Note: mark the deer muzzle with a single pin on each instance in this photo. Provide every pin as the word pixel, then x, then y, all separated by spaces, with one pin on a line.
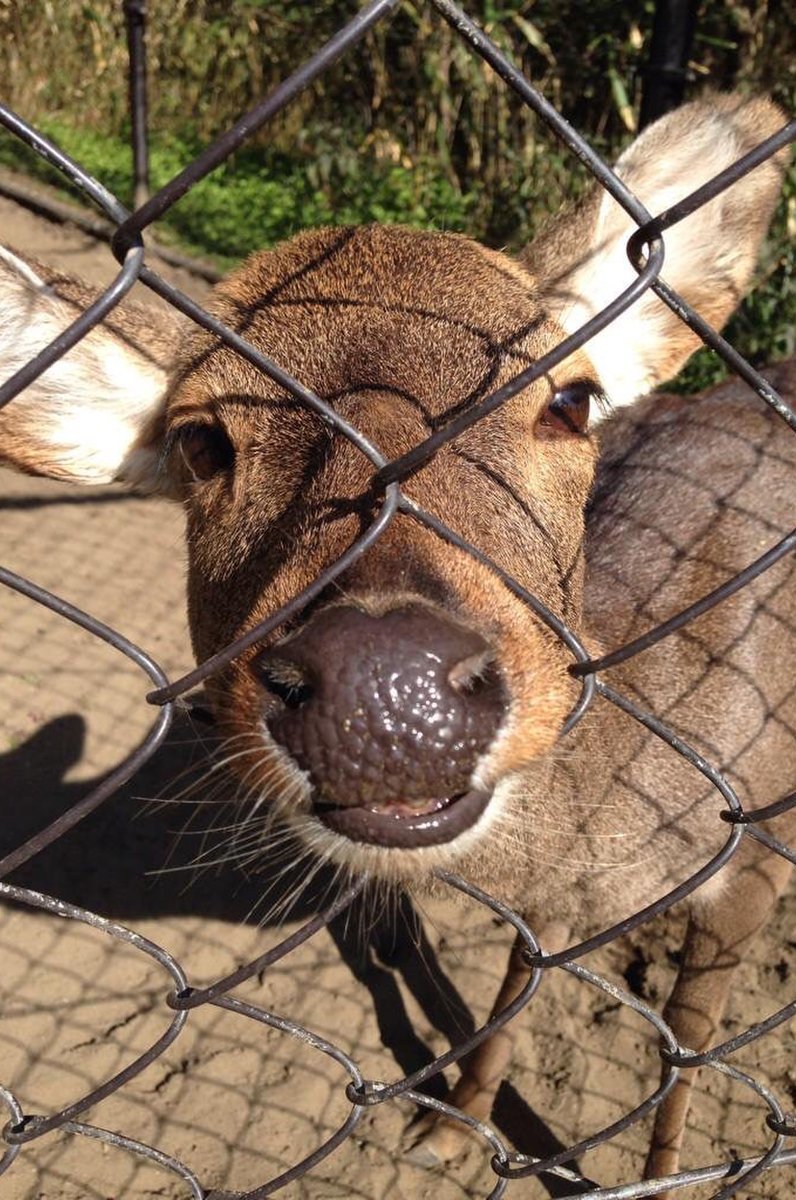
pixel 388 717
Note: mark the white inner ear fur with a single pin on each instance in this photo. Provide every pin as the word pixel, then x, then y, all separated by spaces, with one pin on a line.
pixel 666 163
pixel 83 418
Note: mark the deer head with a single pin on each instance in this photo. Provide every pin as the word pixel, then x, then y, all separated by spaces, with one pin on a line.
pixel 398 717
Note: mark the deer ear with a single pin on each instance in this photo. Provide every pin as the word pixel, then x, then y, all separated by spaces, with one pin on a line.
pixel 95 415
pixel 709 257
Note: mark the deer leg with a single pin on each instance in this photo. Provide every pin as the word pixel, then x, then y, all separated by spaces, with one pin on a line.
pixel 437 1139
pixel 716 939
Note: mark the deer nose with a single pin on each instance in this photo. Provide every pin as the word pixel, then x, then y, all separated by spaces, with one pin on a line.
pixel 391 710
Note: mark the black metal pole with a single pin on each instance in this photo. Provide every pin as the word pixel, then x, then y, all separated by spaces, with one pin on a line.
pixel 666 74
pixel 135 15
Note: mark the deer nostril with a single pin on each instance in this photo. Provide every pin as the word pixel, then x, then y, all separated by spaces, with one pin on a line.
pixel 474 675
pixel 287 682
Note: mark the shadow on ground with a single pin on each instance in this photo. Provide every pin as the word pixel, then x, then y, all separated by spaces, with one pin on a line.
pixel 113 863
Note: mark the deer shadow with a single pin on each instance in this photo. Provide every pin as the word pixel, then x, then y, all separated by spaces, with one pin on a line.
pixel 131 860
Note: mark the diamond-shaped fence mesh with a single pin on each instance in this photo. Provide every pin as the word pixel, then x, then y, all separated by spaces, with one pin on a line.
pixel 133 1004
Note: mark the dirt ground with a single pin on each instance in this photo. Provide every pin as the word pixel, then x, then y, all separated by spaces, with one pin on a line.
pixel 236 1101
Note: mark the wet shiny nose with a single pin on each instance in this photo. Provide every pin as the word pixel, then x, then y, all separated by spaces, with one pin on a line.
pixel 396 707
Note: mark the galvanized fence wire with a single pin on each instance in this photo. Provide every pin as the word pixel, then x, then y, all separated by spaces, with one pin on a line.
pixel 181 997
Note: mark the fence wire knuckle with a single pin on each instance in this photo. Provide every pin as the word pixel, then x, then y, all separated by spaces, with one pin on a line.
pixel 646 250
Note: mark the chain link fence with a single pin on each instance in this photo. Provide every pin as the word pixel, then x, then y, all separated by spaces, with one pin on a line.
pixel 181 1000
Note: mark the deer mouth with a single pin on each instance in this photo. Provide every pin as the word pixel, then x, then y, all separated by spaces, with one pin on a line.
pixel 405 824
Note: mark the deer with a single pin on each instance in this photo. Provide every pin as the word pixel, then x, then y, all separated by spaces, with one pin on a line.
pixel 409 719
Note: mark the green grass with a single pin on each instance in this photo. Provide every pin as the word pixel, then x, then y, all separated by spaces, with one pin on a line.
pixel 254 199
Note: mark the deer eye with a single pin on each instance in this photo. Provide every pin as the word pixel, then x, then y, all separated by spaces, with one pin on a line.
pixel 568 411
pixel 205 450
